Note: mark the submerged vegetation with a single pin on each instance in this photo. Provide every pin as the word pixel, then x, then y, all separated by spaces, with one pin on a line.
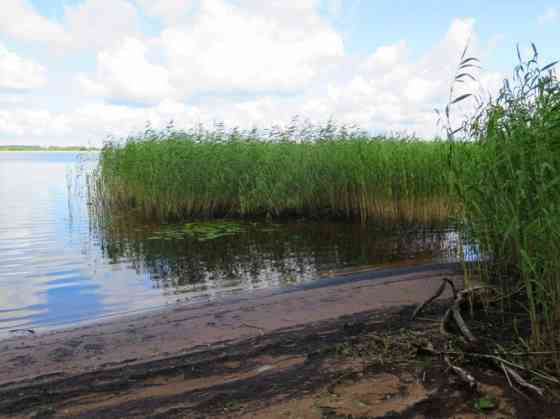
pixel 200 231
pixel 502 180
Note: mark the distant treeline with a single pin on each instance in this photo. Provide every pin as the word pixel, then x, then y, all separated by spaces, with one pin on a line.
pixel 47 148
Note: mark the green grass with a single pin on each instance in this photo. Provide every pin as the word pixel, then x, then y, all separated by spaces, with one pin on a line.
pixel 179 175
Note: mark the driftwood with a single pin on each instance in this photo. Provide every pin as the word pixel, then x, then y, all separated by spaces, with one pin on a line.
pixel 428 301
pixel 455 310
pixel 446 281
pixel 508 367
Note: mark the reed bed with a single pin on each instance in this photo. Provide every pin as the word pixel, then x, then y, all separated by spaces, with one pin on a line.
pixel 174 175
pixel 510 191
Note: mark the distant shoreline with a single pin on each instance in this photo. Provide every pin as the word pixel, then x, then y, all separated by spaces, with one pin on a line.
pixel 47 149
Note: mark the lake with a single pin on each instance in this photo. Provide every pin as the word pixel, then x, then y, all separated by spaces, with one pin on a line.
pixel 61 264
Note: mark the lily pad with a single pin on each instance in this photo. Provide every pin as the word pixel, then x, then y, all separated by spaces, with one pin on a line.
pixel 212 230
pixel 209 230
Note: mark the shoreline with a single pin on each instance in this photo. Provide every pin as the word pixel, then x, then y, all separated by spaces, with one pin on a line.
pixel 380 274
pixel 110 348
pixel 171 330
pixel 342 347
pixel 50 151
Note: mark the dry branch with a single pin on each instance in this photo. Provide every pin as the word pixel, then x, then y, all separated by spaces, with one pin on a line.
pixel 521 381
pixel 428 301
pixel 507 366
pixel 463 374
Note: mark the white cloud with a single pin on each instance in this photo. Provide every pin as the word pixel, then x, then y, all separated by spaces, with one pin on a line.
pixel 170 11
pixel 124 73
pixel 17 73
pixel 391 92
pixel 386 58
pixel 267 49
pixel 91 25
pixel 253 47
pixel 32 123
pixel 11 99
pixel 20 21
pixel 96 24
pixel 551 15
pixel 272 46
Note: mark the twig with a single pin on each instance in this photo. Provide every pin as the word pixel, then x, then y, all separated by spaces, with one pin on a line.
pixel 428 319
pixel 506 373
pixel 461 323
pixel 530 353
pixel 500 361
pixel 452 285
pixel 463 374
pixel 455 310
pixel 428 301
pixel 522 381
pixel 539 374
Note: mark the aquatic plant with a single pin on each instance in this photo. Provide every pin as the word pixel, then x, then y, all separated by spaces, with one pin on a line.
pixel 510 191
pixel 201 231
pixel 320 171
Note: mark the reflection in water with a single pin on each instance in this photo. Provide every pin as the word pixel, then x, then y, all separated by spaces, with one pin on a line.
pixel 61 266
pixel 265 255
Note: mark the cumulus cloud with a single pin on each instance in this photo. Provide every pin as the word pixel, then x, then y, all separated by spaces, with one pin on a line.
pixel 91 24
pixel 32 123
pixel 386 58
pixel 391 92
pixel 251 47
pixel 96 24
pixel 21 21
pixel 17 73
pixel 125 74
pixel 252 63
pixel 551 15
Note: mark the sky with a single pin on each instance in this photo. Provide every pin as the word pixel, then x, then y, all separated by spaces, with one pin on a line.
pixel 77 72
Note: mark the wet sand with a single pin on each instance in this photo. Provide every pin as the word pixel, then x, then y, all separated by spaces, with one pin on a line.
pixel 184 328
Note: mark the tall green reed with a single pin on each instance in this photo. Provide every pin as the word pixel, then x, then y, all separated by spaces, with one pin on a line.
pixel 312 171
pixel 510 191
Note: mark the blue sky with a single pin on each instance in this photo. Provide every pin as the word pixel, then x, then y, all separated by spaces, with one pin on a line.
pixel 76 71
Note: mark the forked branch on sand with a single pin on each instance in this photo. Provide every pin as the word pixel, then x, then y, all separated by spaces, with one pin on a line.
pixel 454 311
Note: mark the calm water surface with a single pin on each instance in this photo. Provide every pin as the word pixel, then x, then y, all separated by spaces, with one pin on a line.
pixel 60 265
